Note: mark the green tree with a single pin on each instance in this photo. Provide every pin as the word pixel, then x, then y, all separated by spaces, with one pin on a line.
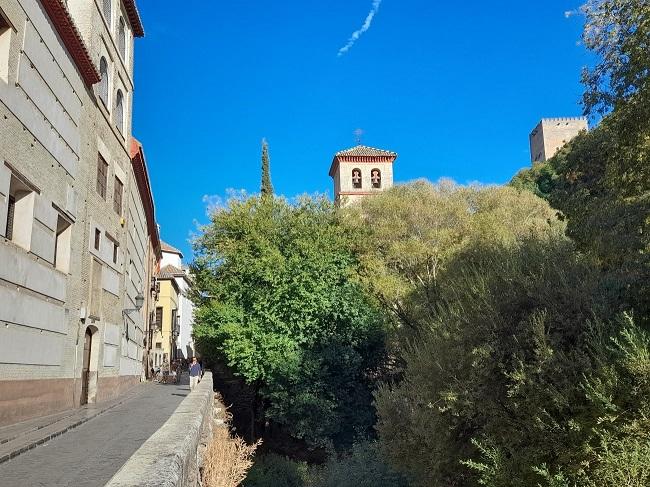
pixel 540 179
pixel 267 186
pixel 603 189
pixel 415 230
pixel 517 368
pixel 496 382
pixel 286 314
pixel 618 32
pixel 601 180
pixel 362 466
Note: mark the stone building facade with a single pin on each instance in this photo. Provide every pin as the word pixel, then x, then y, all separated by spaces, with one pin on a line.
pixel 172 264
pixel 360 172
pixel 551 134
pixel 166 319
pixel 77 244
pixel 144 252
pixel 174 310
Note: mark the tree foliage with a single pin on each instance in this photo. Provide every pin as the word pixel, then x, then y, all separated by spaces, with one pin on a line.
pixel 286 314
pixel 266 188
pixel 601 180
pixel 495 384
pixel 514 363
pixel 618 32
pixel 362 466
pixel 416 229
pixel 603 188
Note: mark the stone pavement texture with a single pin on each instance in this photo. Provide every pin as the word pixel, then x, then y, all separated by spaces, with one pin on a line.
pixel 93 452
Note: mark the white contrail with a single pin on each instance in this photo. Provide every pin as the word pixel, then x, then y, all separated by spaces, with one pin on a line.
pixel 366 25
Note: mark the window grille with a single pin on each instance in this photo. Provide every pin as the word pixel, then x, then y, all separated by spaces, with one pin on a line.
pixel 107 11
pixel 119 111
pixel 118 189
pixel 10 217
pixel 121 39
pixel 103 83
pixel 102 176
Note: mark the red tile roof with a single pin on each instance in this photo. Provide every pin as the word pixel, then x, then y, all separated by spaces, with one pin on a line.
pixel 67 30
pixel 363 150
pixel 362 154
pixel 134 18
pixel 169 249
pixel 169 272
pixel 144 187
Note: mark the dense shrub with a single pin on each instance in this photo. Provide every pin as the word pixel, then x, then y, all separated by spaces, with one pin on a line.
pixel 271 470
pixel 362 467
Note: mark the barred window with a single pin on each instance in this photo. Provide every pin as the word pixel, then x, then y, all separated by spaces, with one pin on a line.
pixel 98 238
pixel 106 8
pixel 102 176
pixel 118 189
pixel 121 38
pixel 159 318
pixel 119 111
pixel 11 211
pixel 103 82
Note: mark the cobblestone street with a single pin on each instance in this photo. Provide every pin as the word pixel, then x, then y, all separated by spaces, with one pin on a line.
pixel 92 453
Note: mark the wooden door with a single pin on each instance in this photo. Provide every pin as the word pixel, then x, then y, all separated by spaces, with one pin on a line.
pixel 85 371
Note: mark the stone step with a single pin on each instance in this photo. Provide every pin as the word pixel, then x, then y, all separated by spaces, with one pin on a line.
pixel 11 432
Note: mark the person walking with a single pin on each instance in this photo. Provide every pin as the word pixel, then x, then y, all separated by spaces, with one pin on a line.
pixel 195 373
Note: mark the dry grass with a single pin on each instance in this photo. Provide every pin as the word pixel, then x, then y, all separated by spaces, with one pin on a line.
pixel 226 460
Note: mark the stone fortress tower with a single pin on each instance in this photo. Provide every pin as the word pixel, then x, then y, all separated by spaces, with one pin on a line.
pixel 551 134
pixel 361 171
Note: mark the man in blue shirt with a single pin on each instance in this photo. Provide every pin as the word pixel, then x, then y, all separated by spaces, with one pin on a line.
pixel 195 373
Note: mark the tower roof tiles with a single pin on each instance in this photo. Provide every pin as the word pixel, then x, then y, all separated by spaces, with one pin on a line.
pixel 363 150
pixel 169 249
pixel 169 272
pixel 361 153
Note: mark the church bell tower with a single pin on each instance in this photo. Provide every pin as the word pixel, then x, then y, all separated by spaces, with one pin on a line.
pixel 360 172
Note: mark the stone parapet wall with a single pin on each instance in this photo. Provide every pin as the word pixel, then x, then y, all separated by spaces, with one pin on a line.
pixel 170 456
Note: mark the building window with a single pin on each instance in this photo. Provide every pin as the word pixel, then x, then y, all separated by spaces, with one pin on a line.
pixel 116 252
pixel 98 238
pixel 119 111
pixel 96 289
pixel 106 10
pixel 159 345
pixel 375 178
pixel 5 44
pixel 20 213
pixel 62 244
pixel 356 178
pixel 103 82
pixel 121 38
pixel 159 318
pixel 102 176
pixel 118 188
pixel 11 211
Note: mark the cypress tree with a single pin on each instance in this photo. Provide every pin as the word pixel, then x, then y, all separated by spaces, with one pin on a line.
pixel 267 186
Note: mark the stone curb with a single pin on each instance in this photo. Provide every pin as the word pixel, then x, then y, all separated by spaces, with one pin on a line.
pixel 38 436
pixel 169 457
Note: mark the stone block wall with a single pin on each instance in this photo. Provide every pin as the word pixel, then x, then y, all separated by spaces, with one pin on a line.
pixel 170 456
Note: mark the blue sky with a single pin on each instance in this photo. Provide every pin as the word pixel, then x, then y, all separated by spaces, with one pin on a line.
pixel 453 87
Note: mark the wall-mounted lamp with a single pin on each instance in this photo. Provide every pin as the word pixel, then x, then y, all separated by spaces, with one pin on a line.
pixel 139 302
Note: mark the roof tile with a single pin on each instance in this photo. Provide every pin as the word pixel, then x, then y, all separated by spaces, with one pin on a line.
pixel 362 150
